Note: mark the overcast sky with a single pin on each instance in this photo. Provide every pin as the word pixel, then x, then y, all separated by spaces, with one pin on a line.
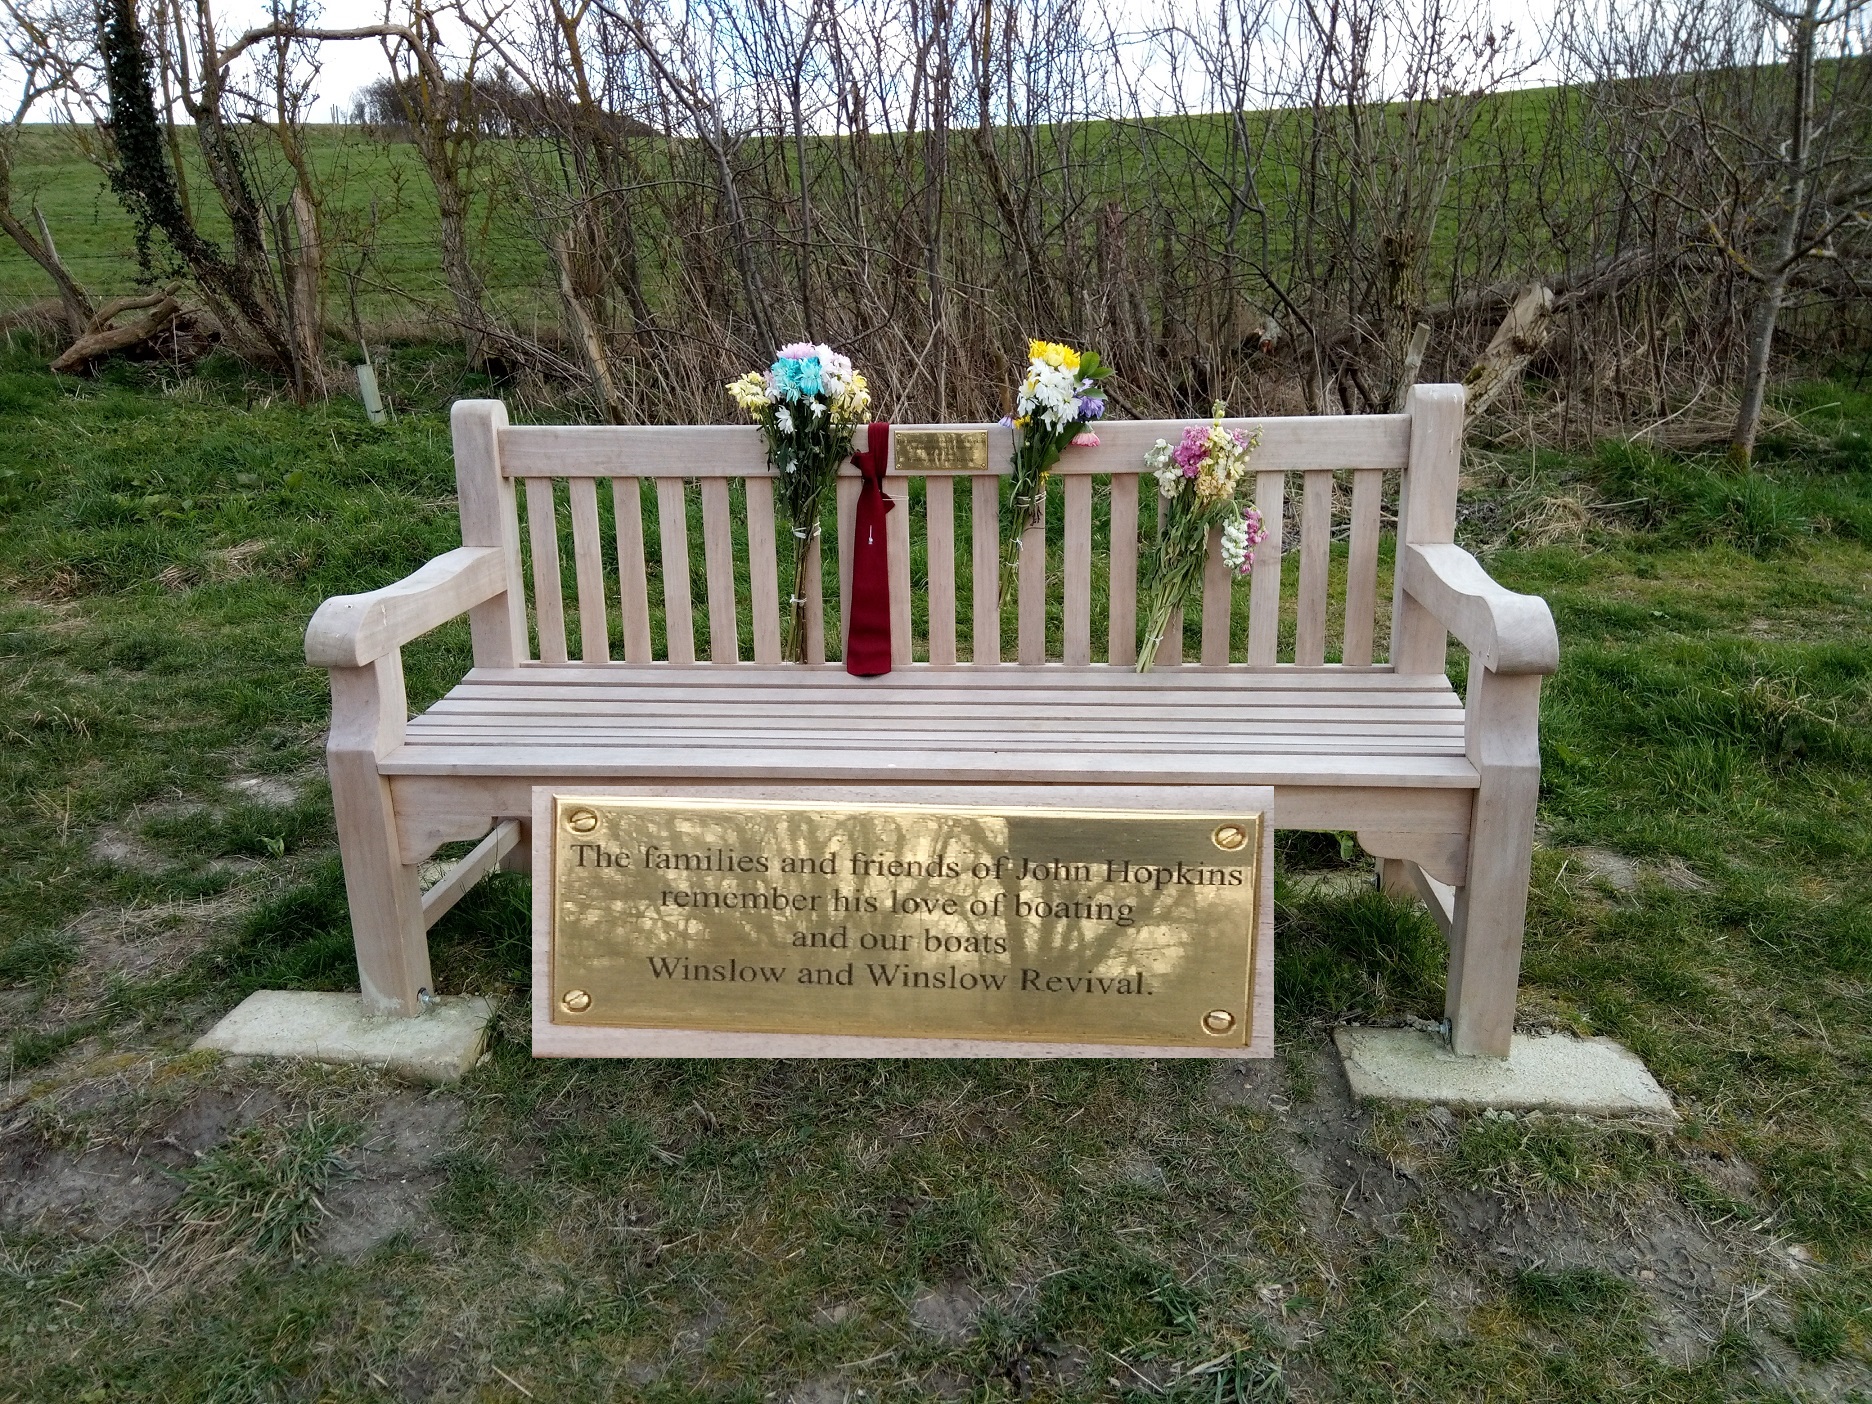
pixel 348 67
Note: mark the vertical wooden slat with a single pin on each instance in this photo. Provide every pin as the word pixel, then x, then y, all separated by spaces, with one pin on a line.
pixel 1121 648
pixel 1170 649
pixel 1264 592
pixel 724 629
pixel 848 489
pixel 588 566
pixel 1426 516
pixel 1076 602
pixel 986 588
pixel 1361 598
pixel 815 600
pixel 1030 588
pixel 489 518
pixel 548 593
pixel 939 540
pixel 1315 558
pixel 763 570
pixel 897 539
pixel 1218 600
pixel 633 581
pixel 673 532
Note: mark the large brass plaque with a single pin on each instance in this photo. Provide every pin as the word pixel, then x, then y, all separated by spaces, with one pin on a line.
pixel 941 451
pixel 1054 926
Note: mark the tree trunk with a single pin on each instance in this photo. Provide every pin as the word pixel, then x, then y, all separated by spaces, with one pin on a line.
pixel 307 274
pixel 1787 251
pixel 458 270
pixel 1755 377
pixel 1522 333
pixel 589 336
pixel 76 301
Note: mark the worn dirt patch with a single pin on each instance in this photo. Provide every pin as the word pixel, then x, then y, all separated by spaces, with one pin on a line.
pixel 277 790
pixel 395 1176
pixel 948 1313
pixel 146 941
pixel 118 848
pixel 1615 870
pixel 96 1185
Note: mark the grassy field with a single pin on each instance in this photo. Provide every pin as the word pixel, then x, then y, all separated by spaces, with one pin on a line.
pixel 378 208
pixel 377 198
pixel 174 1225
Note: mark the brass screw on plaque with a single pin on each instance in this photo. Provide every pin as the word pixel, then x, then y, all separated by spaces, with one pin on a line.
pixel 1218 1022
pixel 581 821
pixel 577 1001
pixel 1229 837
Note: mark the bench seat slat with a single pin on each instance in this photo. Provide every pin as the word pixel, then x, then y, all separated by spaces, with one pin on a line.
pixel 770 714
pixel 1322 727
pixel 1324 683
pixel 1108 765
pixel 1246 732
pixel 1198 707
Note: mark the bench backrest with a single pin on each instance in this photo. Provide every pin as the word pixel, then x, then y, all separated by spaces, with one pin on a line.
pixel 633 504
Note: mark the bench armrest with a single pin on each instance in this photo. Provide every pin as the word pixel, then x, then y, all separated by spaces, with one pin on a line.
pixel 350 631
pixel 1507 633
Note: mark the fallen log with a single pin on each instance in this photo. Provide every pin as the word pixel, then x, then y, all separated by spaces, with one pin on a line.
pixel 104 340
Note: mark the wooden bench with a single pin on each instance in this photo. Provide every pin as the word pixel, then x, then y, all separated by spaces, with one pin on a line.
pixel 1440 787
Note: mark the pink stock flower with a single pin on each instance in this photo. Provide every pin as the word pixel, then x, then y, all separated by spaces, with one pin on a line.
pixel 1087 439
pixel 797 351
pixel 1189 454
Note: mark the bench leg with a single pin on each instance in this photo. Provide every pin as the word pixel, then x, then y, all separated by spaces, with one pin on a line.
pixel 1491 907
pixel 385 893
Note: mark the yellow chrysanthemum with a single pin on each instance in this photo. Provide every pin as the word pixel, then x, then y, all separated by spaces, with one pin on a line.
pixel 1054 354
pixel 856 398
pixel 750 391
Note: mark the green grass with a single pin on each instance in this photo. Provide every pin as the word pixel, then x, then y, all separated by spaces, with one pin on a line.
pixel 679 1231
pixel 360 180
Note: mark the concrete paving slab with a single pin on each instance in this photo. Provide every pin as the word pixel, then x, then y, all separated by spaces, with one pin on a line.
pixel 333 1028
pixel 1554 1072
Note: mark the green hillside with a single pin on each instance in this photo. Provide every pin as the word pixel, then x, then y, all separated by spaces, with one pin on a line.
pixel 361 180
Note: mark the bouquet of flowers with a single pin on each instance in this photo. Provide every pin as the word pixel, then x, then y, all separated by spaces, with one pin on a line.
pixel 1057 400
pixel 807 404
pixel 1198 479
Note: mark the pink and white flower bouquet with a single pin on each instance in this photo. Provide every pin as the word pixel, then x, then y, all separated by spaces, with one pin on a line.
pixel 1198 479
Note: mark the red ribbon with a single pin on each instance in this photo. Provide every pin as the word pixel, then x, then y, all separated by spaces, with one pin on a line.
pixel 868 641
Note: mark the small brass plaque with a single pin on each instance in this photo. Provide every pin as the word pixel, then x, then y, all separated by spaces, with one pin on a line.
pixel 1055 926
pixel 941 451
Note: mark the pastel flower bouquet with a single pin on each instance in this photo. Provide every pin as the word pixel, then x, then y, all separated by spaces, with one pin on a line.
pixel 807 404
pixel 1198 479
pixel 1057 402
